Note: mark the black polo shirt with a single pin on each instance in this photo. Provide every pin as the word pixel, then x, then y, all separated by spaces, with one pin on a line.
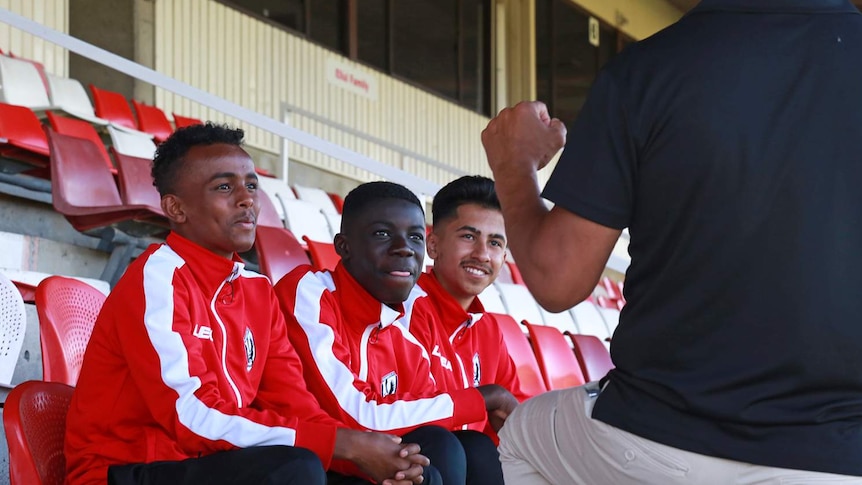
pixel 730 145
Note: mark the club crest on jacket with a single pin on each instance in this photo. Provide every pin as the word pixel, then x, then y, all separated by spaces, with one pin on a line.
pixel 248 341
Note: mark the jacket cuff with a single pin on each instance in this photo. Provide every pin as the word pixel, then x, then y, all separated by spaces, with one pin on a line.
pixel 469 406
pixel 319 438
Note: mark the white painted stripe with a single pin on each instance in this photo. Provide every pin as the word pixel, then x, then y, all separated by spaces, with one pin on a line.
pixel 339 378
pixel 200 419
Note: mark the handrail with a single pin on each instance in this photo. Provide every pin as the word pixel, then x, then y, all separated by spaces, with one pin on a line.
pixel 157 79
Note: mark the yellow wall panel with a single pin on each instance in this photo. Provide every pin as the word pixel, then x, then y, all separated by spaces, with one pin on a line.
pixel 50 13
pixel 260 66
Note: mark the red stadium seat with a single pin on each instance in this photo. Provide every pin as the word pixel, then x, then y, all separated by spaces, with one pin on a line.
pixel 67 310
pixel 337 201
pixel 83 188
pixel 268 213
pixel 22 136
pixel 183 121
pixel 278 251
pixel 323 255
pixel 113 107
pixel 558 363
pixel 522 355
pixel 80 129
pixel 34 418
pixel 593 356
pixel 152 120
pixel 135 181
pixel 516 273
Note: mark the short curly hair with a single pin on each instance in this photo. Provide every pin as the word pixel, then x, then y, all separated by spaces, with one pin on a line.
pixel 171 151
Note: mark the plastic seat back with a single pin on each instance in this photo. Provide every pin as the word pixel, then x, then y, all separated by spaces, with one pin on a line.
pixel 135 181
pixel 593 356
pixel 562 321
pixel 137 144
pixel 21 84
pixel 278 252
pixel 113 107
pixel 491 299
pixel 520 302
pixel 305 219
pixel 316 196
pixel 80 129
pixel 268 215
pixel 323 254
pixel 589 320
pixel 70 96
pixel 34 418
pixel 558 363
pixel 152 120
pixel 67 310
pixel 183 121
pixel 13 323
pixel 529 375
pixel 21 129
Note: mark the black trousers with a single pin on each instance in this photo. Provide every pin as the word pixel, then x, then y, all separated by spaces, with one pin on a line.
pixel 269 465
pixel 483 459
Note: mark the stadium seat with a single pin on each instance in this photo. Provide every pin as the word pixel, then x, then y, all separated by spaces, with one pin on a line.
pixel 316 196
pixel 83 189
pixel 22 137
pixel 67 310
pixel 22 85
pixel 333 222
pixel 589 320
pixel 610 313
pixel 152 120
pixel 491 300
pixel 323 255
pixel 69 96
pixel 278 251
pixel 135 182
pixel 516 273
pixel 562 321
pixel 113 107
pixel 558 363
pixel 183 121
pixel 13 323
pixel 133 143
pixel 593 356
pixel 34 417
pixel 268 215
pixel 305 219
pixel 337 201
pixel 278 191
pixel 520 303
pixel 80 129
pixel 529 375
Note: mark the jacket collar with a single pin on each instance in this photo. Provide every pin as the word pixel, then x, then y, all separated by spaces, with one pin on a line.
pixel 209 269
pixel 448 311
pixel 359 308
pixel 775 6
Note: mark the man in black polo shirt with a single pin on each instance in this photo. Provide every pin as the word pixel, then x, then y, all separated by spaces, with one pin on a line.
pixel 730 145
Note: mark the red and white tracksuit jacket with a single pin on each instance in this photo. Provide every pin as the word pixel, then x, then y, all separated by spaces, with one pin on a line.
pixel 467 348
pixel 189 356
pixel 359 359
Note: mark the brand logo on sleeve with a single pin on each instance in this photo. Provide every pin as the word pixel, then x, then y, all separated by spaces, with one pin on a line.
pixel 248 341
pixel 389 384
pixel 203 332
pixel 477 370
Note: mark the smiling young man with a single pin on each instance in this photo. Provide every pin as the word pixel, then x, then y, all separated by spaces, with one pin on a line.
pixel 349 327
pixel 468 245
pixel 189 376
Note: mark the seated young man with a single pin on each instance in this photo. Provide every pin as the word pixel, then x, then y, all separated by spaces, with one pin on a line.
pixel 468 245
pixel 359 359
pixel 189 376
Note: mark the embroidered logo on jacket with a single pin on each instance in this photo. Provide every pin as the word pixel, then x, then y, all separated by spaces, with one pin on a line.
pixel 248 341
pixel 389 384
pixel 203 332
pixel 477 370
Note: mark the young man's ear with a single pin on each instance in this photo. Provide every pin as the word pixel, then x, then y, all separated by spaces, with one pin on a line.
pixel 431 245
pixel 172 206
pixel 341 246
